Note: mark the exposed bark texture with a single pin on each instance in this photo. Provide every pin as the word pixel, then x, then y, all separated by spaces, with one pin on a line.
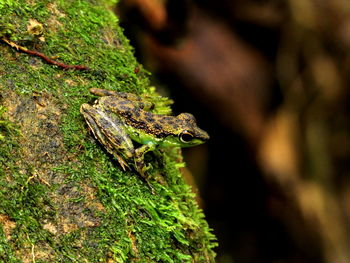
pixel 63 198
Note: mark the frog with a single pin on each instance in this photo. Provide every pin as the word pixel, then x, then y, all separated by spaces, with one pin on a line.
pixel 121 121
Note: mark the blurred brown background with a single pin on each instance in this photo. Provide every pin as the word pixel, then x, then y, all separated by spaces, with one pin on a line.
pixel 269 82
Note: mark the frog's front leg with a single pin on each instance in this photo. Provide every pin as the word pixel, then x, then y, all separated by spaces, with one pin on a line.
pixel 139 158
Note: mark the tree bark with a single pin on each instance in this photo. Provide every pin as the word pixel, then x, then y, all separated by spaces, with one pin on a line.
pixel 63 197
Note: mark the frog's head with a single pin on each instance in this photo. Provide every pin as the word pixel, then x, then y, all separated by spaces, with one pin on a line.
pixel 189 133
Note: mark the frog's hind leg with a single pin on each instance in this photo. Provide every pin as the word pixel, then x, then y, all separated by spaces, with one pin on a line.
pixel 102 139
pixel 109 132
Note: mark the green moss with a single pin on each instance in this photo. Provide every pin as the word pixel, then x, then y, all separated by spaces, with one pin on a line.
pixel 71 198
pixel 6 252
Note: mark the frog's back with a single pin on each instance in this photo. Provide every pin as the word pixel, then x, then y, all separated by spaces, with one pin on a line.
pixel 150 123
pixel 160 126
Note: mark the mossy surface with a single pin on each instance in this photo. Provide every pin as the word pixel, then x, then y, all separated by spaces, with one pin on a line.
pixel 63 198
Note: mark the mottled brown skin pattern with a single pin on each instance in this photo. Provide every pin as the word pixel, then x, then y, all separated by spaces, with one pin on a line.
pixel 159 125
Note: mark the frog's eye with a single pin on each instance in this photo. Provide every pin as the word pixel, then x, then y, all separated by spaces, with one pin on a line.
pixel 186 137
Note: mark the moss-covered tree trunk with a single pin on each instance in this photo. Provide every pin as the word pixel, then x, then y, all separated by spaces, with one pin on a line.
pixel 63 198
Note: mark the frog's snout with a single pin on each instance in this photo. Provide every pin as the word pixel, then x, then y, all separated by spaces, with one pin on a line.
pixel 202 135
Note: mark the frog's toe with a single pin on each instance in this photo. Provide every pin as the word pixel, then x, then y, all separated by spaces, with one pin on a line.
pixel 122 163
pixel 142 168
pixel 148 167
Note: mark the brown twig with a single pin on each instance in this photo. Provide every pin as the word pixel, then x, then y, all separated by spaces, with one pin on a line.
pixel 43 56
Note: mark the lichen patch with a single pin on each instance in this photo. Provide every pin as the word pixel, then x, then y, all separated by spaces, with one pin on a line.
pixel 34 27
pixel 7 224
pixel 52 7
pixel 53 22
pixel 51 228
